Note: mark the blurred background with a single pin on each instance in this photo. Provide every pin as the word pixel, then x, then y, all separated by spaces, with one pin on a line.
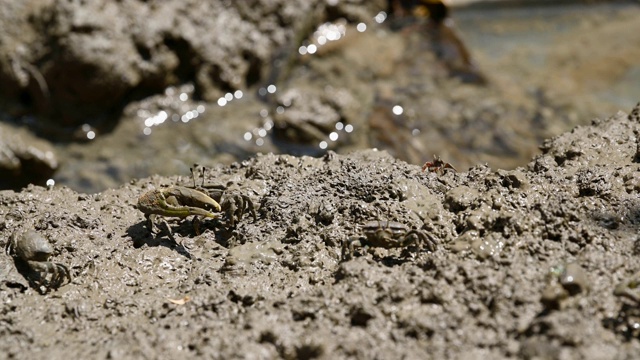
pixel 94 94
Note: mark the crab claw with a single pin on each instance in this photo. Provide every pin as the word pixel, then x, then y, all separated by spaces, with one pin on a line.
pixel 177 201
pixel 191 197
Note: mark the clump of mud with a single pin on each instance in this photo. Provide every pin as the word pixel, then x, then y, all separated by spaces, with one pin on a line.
pixel 565 227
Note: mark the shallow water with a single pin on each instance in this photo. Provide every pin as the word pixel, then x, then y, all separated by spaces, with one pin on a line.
pixel 549 69
pixel 587 47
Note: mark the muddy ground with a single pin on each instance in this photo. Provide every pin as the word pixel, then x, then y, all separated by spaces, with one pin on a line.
pixel 539 262
pixel 278 287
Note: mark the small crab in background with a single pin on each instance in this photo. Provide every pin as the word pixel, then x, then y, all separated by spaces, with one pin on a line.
pixel 438 166
pixel 35 250
pixel 388 235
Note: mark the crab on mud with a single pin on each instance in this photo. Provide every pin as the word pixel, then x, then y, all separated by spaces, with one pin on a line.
pixel 388 235
pixel 176 201
pixel 35 250
pixel 234 206
pixel 438 166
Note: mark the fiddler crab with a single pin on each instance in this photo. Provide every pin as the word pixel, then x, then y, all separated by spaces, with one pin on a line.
pixel 181 202
pixel 388 235
pixel 438 166
pixel 35 250
pixel 176 201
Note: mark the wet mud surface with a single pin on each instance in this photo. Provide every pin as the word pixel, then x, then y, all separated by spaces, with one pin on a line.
pixel 537 262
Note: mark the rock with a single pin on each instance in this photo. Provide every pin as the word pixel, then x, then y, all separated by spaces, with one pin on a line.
pixel 24 158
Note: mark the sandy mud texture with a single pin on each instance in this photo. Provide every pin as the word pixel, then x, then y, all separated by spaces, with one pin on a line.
pixel 538 262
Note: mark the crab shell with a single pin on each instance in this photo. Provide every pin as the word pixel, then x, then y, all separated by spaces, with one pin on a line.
pixel 177 201
pixel 29 245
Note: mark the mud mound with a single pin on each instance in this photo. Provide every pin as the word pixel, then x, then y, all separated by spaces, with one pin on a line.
pixel 564 230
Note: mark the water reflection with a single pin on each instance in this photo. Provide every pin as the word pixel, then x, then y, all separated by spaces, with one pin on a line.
pixel 269 89
pixel 88 131
pixel 177 104
pixel 324 34
pixel 380 17
pixel 257 134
